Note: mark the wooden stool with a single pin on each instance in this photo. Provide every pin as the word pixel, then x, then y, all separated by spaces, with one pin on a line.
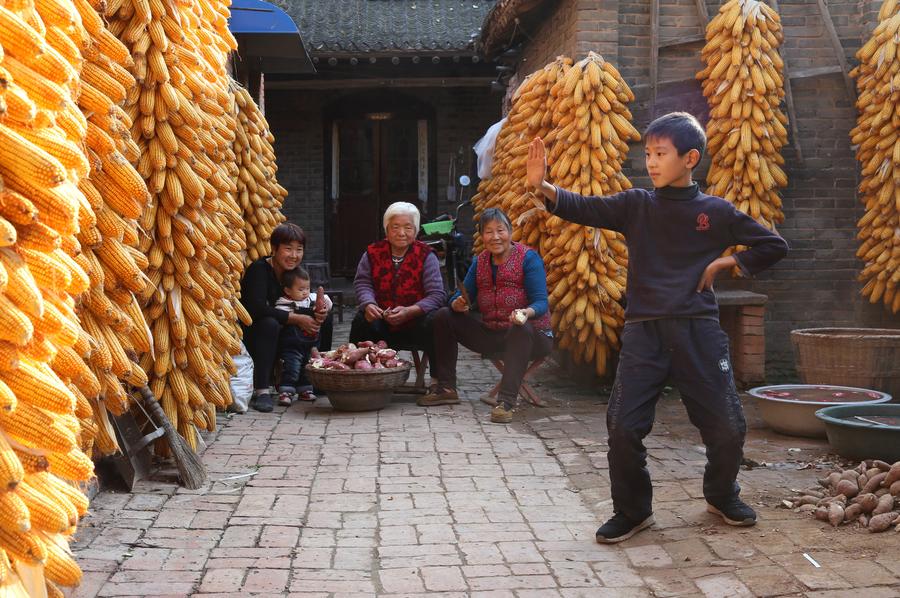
pixel 526 391
pixel 420 364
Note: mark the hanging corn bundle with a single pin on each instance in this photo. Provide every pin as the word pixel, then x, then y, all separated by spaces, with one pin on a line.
pixel 183 122
pixel 877 135
pixel 579 110
pixel 41 208
pixel 259 194
pixel 108 235
pixel 744 84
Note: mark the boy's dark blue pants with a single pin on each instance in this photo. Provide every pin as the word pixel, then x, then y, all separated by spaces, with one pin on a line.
pixel 694 354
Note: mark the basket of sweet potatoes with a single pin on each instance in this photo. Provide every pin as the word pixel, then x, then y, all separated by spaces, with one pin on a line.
pixel 358 377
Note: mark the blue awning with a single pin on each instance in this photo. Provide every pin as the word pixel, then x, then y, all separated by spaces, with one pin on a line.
pixel 268 38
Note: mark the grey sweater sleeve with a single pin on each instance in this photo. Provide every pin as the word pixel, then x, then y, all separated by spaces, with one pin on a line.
pixel 610 212
pixel 362 284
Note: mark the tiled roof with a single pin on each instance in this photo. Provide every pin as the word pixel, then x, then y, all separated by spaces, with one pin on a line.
pixel 503 23
pixel 336 26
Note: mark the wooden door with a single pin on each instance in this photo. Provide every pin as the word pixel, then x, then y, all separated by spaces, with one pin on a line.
pixel 377 162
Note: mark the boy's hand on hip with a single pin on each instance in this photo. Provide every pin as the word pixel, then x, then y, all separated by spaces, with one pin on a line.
pixel 712 270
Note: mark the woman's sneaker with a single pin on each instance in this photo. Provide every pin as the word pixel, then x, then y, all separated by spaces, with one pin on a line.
pixel 438 395
pixel 619 528
pixel 733 510
pixel 502 414
pixel 307 396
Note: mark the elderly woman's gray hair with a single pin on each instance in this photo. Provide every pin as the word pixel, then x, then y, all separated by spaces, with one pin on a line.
pixel 494 215
pixel 402 208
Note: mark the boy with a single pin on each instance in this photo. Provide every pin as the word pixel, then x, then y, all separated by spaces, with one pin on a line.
pixel 294 344
pixel 675 236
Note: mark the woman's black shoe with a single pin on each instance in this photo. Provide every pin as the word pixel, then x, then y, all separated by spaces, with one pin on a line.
pixel 619 527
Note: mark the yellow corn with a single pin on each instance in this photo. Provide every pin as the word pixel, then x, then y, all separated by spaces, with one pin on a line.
pixel 44 93
pixel 68 490
pixel 7 398
pixel 36 384
pixel 60 566
pixel 23 546
pixel 52 590
pixel 103 82
pixel 11 472
pixel 46 513
pixel 32 463
pixel 17 37
pixel 68 363
pixel 7 233
pixel 27 161
pixel 68 153
pixel 38 236
pixel 114 256
pixel 13 512
pixel 48 271
pixel 15 325
pixel 74 465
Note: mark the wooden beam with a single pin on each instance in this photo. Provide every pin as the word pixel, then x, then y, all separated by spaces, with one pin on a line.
pixel 654 54
pixel 815 72
pixel 380 83
pixel 701 12
pixel 683 41
pixel 789 102
pixel 838 49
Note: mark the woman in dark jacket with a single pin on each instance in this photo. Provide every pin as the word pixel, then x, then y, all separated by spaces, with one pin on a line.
pixel 260 289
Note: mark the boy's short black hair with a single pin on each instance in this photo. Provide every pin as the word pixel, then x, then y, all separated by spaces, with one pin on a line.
pixel 682 129
pixel 289 277
pixel 287 232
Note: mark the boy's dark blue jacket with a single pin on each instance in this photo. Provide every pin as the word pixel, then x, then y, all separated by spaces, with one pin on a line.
pixel 673 234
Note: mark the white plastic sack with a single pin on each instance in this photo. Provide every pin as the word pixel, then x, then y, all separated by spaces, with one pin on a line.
pixel 484 149
pixel 242 382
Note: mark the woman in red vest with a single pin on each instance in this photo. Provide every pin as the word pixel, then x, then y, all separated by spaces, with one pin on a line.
pixel 508 285
pixel 398 286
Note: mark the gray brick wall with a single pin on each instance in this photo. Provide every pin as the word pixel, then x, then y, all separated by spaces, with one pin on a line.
pixel 462 115
pixel 816 285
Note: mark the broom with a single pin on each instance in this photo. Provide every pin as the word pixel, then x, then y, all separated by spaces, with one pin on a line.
pixel 190 468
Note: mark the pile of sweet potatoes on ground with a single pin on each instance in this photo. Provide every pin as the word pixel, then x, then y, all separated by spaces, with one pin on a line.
pixel 367 355
pixel 868 495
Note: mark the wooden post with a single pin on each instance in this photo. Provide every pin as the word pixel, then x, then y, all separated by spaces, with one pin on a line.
pixel 838 49
pixel 654 54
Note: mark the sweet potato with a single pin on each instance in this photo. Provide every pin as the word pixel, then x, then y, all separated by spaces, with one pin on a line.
pixel 852 512
pixel 381 345
pixel 378 366
pixel 862 480
pixel 874 482
pixel 354 355
pixel 822 514
pixel 885 505
pixel 867 502
pixel 393 363
pixel 851 475
pixel 872 471
pixel 831 480
pixel 882 491
pixel 847 488
pixel 365 344
pixel 806 500
pixel 863 520
pixel 893 475
pixel 835 514
pixel 384 354
pixel 895 488
pixel 362 364
pixel 806 508
pixel 337 365
pixel 879 523
pixel 883 466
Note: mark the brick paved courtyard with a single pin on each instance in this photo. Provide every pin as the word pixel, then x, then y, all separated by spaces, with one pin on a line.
pixel 409 501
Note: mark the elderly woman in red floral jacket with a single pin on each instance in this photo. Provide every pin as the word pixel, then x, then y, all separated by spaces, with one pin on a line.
pixel 508 285
pixel 398 286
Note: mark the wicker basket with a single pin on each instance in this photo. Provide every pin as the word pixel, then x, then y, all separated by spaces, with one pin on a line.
pixel 358 390
pixel 859 357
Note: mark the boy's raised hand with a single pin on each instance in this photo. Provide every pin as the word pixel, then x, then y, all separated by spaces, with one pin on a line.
pixel 537 163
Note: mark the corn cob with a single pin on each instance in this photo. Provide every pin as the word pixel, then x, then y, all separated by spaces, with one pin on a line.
pixel 743 83
pixel 877 137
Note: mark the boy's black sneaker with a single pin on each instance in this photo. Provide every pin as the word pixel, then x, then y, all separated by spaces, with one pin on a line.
pixel 264 402
pixel 733 510
pixel 619 527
